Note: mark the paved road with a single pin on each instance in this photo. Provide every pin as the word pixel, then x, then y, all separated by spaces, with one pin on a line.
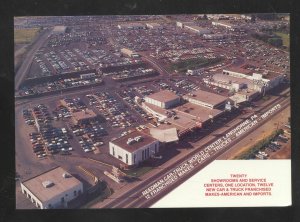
pixel 22 71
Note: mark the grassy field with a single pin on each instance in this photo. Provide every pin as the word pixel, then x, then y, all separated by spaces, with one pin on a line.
pixel 285 38
pixel 197 63
pixel 23 36
pixel 250 153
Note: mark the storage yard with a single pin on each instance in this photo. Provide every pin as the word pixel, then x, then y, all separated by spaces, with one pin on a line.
pixel 113 97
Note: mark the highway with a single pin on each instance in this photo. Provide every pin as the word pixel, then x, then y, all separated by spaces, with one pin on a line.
pixel 134 197
pixel 22 71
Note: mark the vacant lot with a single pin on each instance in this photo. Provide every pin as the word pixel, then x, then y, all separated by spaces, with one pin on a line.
pixel 285 38
pixel 24 36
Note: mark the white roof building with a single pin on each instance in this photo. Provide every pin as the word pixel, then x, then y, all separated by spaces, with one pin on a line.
pixel 134 148
pixel 52 189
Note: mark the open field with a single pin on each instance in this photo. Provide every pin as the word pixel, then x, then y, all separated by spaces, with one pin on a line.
pixel 285 38
pixel 194 64
pixel 22 36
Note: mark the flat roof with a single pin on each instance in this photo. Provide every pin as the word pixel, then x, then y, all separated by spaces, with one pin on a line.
pixel 206 97
pixel 61 184
pixel 164 135
pixel 196 27
pixel 59 28
pixel 232 79
pixel 196 112
pixel 239 70
pixel 163 96
pixel 136 24
pixel 153 24
pixel 223 23
pixel 86 114
pixel 122 141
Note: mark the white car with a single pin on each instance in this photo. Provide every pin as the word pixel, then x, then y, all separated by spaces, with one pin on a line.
pixel 87 150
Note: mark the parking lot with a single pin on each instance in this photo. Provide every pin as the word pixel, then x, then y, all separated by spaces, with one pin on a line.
pixel 87 91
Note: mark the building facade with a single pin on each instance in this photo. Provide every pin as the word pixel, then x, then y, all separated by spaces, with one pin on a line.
pixel 52 189
pixel 205 99
pixel 163 99
pixel 134 148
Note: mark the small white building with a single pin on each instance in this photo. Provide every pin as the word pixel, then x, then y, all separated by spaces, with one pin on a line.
pixel 163 99
pixel 52 189
pixel 59 29
pixel 153 25
pixel 134 148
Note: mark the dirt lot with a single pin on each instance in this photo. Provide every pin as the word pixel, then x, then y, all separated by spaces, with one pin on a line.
pixel 25 35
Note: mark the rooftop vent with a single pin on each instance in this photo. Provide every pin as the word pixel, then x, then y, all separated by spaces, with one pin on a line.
pixel 138 138
pixel 66 175
pixel 130 141
pixel 48 183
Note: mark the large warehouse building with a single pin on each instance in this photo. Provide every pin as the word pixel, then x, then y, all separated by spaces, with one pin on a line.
pixel 191 26
pixel 52 189
pixel 206 99
pixel 134 148
pixel 163 99
pixel 259 81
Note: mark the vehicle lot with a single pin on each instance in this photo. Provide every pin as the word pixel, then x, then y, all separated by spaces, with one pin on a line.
pixel 113 110
pixel 49 131
pixel 276 145
pixel 128 96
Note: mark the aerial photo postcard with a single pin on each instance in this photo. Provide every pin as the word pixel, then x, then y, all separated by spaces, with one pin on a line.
pixel 152 111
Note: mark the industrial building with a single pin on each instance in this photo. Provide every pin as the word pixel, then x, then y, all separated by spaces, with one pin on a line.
pixel 163 99
pixel 198 114
pixel 197 29
pixel 190 26
pixel 59 29
pixel 225 25
pixel 52 189
pixel 205 99
pixel 134 148
pixel 131 26
pixel 201 106
pixel 259 82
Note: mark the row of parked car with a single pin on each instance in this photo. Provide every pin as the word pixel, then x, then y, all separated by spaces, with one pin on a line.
pixel 89 135
pixel 128 96
pixel 42 114
pixel 113 111
pixel 28 117
pixel 56 139
pixel 273 146
pixel 38 146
